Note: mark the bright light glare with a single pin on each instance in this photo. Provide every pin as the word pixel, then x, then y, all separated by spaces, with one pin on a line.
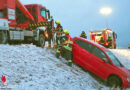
pixel 106 11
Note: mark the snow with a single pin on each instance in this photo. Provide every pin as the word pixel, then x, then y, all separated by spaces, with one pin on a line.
pixel 123 55
pixel 28 67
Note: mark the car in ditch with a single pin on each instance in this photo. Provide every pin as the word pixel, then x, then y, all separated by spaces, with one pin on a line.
pixel 100 61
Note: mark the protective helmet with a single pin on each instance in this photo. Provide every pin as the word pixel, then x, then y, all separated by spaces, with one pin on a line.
pixel 109 36
pixel 66 31
pixel 57 22
pixel 83 31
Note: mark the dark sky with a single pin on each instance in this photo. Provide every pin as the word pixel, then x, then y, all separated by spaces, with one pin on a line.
pixel 78 15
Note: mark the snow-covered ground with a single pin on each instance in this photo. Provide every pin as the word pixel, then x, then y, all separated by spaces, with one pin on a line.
pixel 123 55
pixel 28 67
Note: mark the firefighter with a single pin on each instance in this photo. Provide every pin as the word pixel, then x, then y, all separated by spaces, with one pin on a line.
pixel 66 48
pixel 49 36
pixel 50 31
pixel 102 41
pixel 59 31
pixel 83 35
pixel 109 42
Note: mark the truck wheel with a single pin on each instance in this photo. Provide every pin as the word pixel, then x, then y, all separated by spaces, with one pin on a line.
pixel 41 41
pixel 114 81
pixel 3 37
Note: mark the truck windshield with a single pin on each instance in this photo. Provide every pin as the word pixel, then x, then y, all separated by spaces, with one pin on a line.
pixel 114 59
pixel 43 13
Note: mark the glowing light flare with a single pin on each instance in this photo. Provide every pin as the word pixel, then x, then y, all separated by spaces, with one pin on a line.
pixel 46 34
pixel 106 11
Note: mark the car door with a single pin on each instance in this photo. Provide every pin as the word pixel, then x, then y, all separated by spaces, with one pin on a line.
pixel 75 52
pixel 83 53
pixel 100 67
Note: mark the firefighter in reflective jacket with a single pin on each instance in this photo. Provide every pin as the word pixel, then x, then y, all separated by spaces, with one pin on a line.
pixel 83 35
pixel 66 48
pixel 59 31
pixel 102 41
pixel 109 42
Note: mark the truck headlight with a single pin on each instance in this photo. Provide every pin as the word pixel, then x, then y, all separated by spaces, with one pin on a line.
pixel 46 35
pixel 128 79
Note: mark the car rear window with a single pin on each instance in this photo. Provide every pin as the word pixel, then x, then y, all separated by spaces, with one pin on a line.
pixel 84 45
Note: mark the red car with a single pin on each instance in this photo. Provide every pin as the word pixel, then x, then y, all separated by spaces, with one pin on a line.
pixel 100 61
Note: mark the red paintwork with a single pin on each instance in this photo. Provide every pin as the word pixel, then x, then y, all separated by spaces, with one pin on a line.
pixel 4 5
pixel 96 65
pixel 37 13
pixel 24 10
pixel 13 4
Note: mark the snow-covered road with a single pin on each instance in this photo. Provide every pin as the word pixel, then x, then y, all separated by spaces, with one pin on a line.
pixel 28 67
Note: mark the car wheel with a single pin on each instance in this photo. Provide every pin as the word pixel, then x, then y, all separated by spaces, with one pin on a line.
pixel 114 81
pixel 41 41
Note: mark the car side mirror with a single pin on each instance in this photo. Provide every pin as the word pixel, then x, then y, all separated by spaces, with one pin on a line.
pixel 105 60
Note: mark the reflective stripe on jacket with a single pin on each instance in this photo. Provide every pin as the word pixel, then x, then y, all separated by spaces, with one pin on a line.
pixel 69 40
pixel 68 43
pixel 59 31
pixel 83 35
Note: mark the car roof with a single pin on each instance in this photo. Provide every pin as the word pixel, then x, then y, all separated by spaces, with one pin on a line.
pixel 91 42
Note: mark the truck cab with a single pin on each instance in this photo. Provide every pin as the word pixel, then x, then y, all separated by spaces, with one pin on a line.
pixel 39 12
pixel 24 23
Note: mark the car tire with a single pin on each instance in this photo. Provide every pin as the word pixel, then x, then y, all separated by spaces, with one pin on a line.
pixel 41 41
pixel 114 81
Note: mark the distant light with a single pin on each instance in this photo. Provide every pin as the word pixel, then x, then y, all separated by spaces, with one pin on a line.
pixel 106 11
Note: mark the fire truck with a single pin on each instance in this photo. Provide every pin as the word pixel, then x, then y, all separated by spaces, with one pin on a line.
pixel 25 23
pixel 95 35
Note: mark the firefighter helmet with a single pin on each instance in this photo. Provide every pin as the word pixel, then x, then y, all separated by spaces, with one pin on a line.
pixel 83 31
pixel 57 22
pixel 109 36
pixel 66 31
